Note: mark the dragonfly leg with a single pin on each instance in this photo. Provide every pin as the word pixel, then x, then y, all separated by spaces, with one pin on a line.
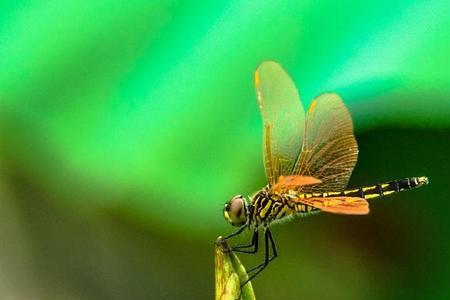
pixel 274 247
pixel 236 232
pixel 274 254
pixel 258 269
pixel 254 244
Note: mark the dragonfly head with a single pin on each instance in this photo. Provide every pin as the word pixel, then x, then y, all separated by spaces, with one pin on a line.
pixel 236 210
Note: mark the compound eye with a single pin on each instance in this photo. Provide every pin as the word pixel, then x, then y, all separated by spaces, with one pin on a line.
pixel 236 207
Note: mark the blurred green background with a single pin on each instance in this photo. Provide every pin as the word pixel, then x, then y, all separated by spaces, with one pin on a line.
pixel 125 126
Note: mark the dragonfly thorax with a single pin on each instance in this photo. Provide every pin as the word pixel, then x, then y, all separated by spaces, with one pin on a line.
pixel 236 211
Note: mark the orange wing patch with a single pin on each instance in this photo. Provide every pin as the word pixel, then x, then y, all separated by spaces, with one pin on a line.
pixel 338 205
pixel 293 181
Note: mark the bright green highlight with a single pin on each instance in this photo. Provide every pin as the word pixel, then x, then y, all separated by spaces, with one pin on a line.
pixel 151 105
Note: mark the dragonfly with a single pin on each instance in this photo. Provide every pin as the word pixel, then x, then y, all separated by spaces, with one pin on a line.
pixel 308 160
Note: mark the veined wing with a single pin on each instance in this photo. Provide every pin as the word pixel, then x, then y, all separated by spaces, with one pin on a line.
pixel 329 150
pixel 338 205
pixel 283 119
pixel 285 183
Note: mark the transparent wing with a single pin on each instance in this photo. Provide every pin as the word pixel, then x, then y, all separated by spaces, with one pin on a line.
pixel 283 119
pixel 288 182
pixel 338 205
pixel 329 150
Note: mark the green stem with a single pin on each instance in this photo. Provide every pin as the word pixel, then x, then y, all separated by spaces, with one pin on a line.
pixel 230 273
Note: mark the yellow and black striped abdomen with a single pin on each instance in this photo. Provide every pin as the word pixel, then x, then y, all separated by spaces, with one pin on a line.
pixel 387 188
pixel 379 190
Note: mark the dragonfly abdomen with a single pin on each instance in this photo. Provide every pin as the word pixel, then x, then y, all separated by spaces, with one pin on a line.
pixel 379 190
